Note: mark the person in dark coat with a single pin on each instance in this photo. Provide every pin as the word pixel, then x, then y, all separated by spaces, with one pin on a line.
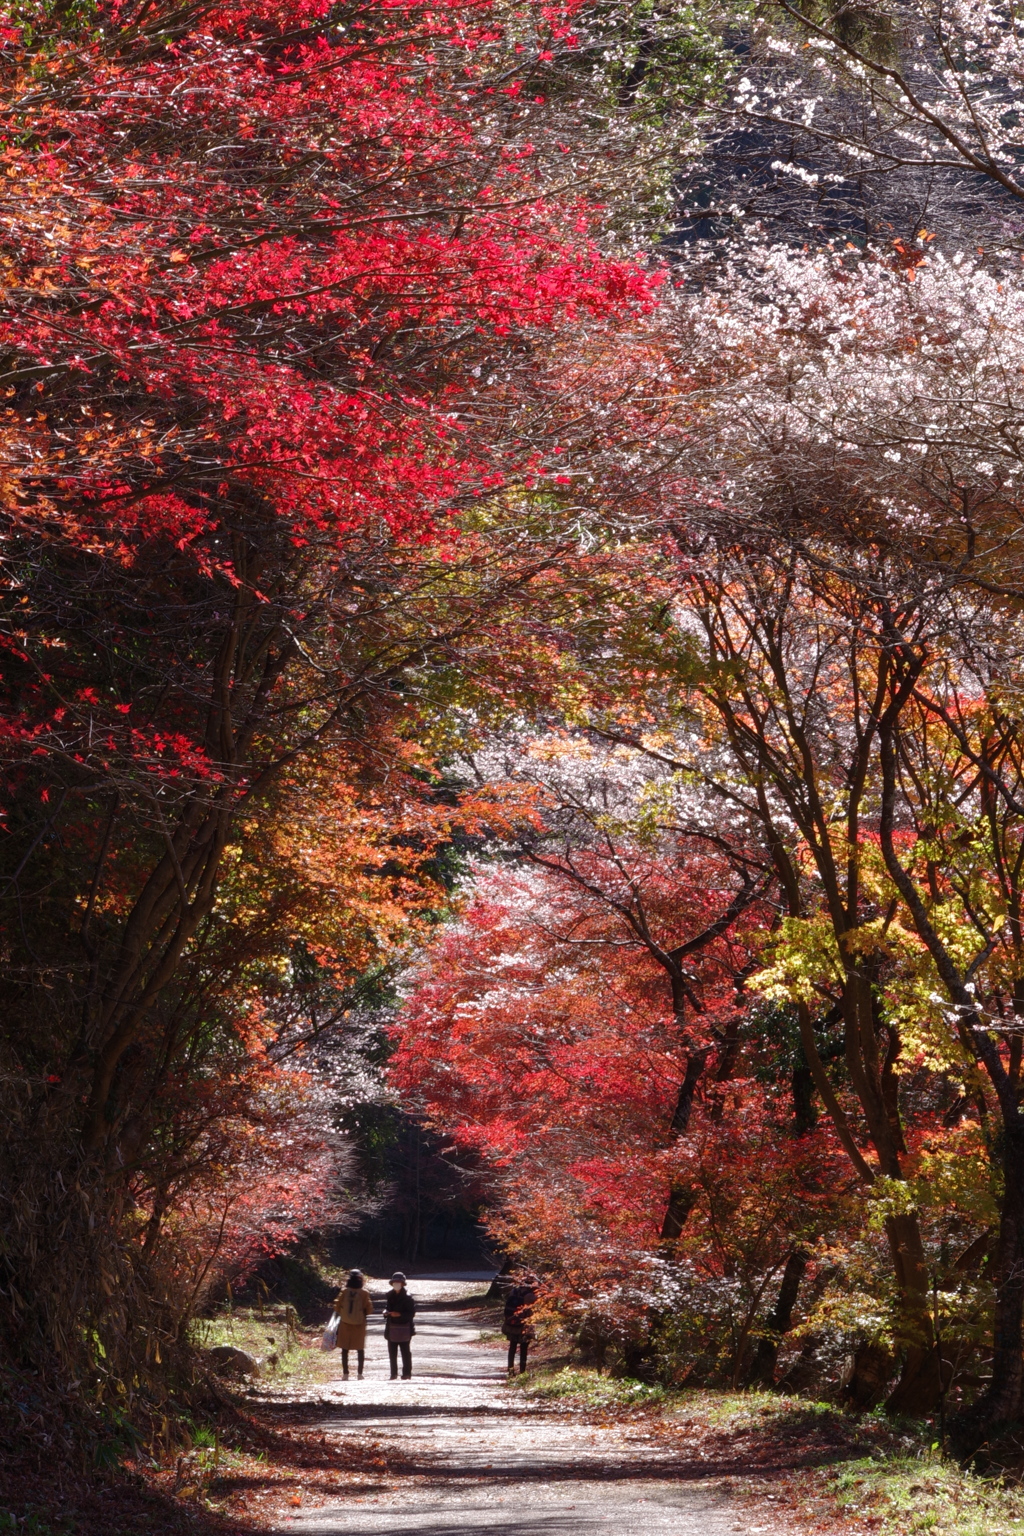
pixel 518 1327
pixel 399 1311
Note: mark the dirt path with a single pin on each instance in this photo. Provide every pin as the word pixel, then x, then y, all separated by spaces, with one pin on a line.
pixel 474 1458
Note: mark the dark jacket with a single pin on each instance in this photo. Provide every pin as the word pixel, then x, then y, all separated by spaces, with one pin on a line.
pixel 402 1304
pixel 519 1305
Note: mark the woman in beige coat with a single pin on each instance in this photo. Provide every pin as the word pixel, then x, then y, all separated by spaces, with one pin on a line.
pixel 353 1306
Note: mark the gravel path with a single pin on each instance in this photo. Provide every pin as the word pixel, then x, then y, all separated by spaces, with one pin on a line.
pixel 477 1459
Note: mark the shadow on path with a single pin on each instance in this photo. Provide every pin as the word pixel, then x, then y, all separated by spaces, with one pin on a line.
pixel 468 1458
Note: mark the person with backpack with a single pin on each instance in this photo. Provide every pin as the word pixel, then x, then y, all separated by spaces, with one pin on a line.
pixel 517 1327
pixel 399 1311
pixel 352 1307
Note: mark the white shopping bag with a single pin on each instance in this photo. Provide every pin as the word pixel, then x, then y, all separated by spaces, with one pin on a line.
pixel 330 1338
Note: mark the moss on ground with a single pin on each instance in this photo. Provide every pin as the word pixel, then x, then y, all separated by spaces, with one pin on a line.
pixel 588 1388
pixel 920 1494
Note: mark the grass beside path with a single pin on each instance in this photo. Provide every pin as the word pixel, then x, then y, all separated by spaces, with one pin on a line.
pixel 807 1465
pixel 913 1494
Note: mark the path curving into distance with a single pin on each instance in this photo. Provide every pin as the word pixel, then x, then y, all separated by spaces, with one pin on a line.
pixel 468 1456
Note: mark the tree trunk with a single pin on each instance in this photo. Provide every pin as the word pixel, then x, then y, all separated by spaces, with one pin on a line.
pixel 1003 1402
pixel 1007 1390
pixel 805 1110
pixel 681 1200
pixel 872 1367
pixel 920 1385
pixel 781 1319
pixel 919 1388
pixel 681 1197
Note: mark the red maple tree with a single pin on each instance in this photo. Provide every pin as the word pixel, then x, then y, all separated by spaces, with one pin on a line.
pixel 283 283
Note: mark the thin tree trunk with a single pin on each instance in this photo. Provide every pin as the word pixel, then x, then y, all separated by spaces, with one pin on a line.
pixel 780 1320
pixel 1003 1402
pixel 919 1388
pixel 1006 1395
pixel 681 1197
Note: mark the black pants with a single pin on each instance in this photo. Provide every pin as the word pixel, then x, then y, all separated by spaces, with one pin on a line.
pixel 522 1345
pixel 406 1360
pixel 360 1356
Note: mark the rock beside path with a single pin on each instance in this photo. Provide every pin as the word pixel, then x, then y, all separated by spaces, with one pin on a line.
pixel 226 1360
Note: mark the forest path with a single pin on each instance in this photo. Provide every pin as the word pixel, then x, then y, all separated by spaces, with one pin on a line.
pixel 467 1455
